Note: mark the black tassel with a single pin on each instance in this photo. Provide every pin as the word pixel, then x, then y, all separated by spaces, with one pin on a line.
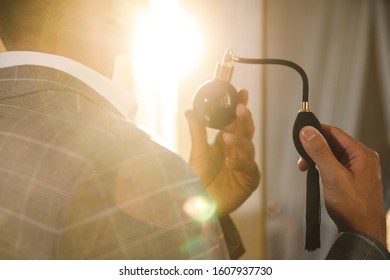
pixel 313 209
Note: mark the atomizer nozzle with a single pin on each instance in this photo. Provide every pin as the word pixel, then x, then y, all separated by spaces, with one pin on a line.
pixel 224 70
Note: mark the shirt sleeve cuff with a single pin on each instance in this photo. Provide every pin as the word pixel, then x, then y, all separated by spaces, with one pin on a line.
pixel 357 246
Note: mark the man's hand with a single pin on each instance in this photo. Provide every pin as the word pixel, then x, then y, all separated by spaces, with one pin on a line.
pixel 227 166
pixel 351 176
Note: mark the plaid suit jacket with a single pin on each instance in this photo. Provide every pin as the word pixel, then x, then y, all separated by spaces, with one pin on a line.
pixel 357 246
pixel 79 181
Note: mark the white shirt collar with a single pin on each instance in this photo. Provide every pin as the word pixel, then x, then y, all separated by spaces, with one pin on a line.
pixel 119 97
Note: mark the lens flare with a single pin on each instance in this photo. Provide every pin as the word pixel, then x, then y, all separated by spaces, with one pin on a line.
pixel 195 245
pixel 199 208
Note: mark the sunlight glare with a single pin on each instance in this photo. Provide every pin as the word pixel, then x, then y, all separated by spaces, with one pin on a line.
pixel 167 41
pixel 166 45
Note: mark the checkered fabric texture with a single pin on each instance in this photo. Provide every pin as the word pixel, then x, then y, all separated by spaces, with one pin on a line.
pixel 79 181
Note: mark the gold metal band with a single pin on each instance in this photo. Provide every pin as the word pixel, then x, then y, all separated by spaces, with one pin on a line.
pixel 305 107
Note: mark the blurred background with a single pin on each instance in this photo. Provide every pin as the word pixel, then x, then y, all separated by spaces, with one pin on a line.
pixel 344 47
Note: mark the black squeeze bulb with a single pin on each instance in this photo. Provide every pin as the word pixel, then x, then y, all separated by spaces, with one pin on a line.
pixel 304 118
pixel 215 101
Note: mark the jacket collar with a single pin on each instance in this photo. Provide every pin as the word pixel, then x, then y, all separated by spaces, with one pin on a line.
pixel 120 98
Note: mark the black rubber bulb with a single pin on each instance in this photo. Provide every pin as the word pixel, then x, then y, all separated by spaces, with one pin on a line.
pixel 215 102
pixel 304 118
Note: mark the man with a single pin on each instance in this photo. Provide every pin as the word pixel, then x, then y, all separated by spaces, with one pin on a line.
pixel 78 179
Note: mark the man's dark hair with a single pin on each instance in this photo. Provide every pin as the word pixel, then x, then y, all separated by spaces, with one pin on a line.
pixel 28 19
pixel 21 18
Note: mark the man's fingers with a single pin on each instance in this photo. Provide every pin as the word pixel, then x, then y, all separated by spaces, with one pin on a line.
pixel 246 125
pixel 244 96
pixel 302 164
pixel 243 125
pixel 248 169
pixel 239 146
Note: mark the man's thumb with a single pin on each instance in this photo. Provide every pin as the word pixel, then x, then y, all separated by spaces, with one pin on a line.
pixel 318 149
pixel 197 131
